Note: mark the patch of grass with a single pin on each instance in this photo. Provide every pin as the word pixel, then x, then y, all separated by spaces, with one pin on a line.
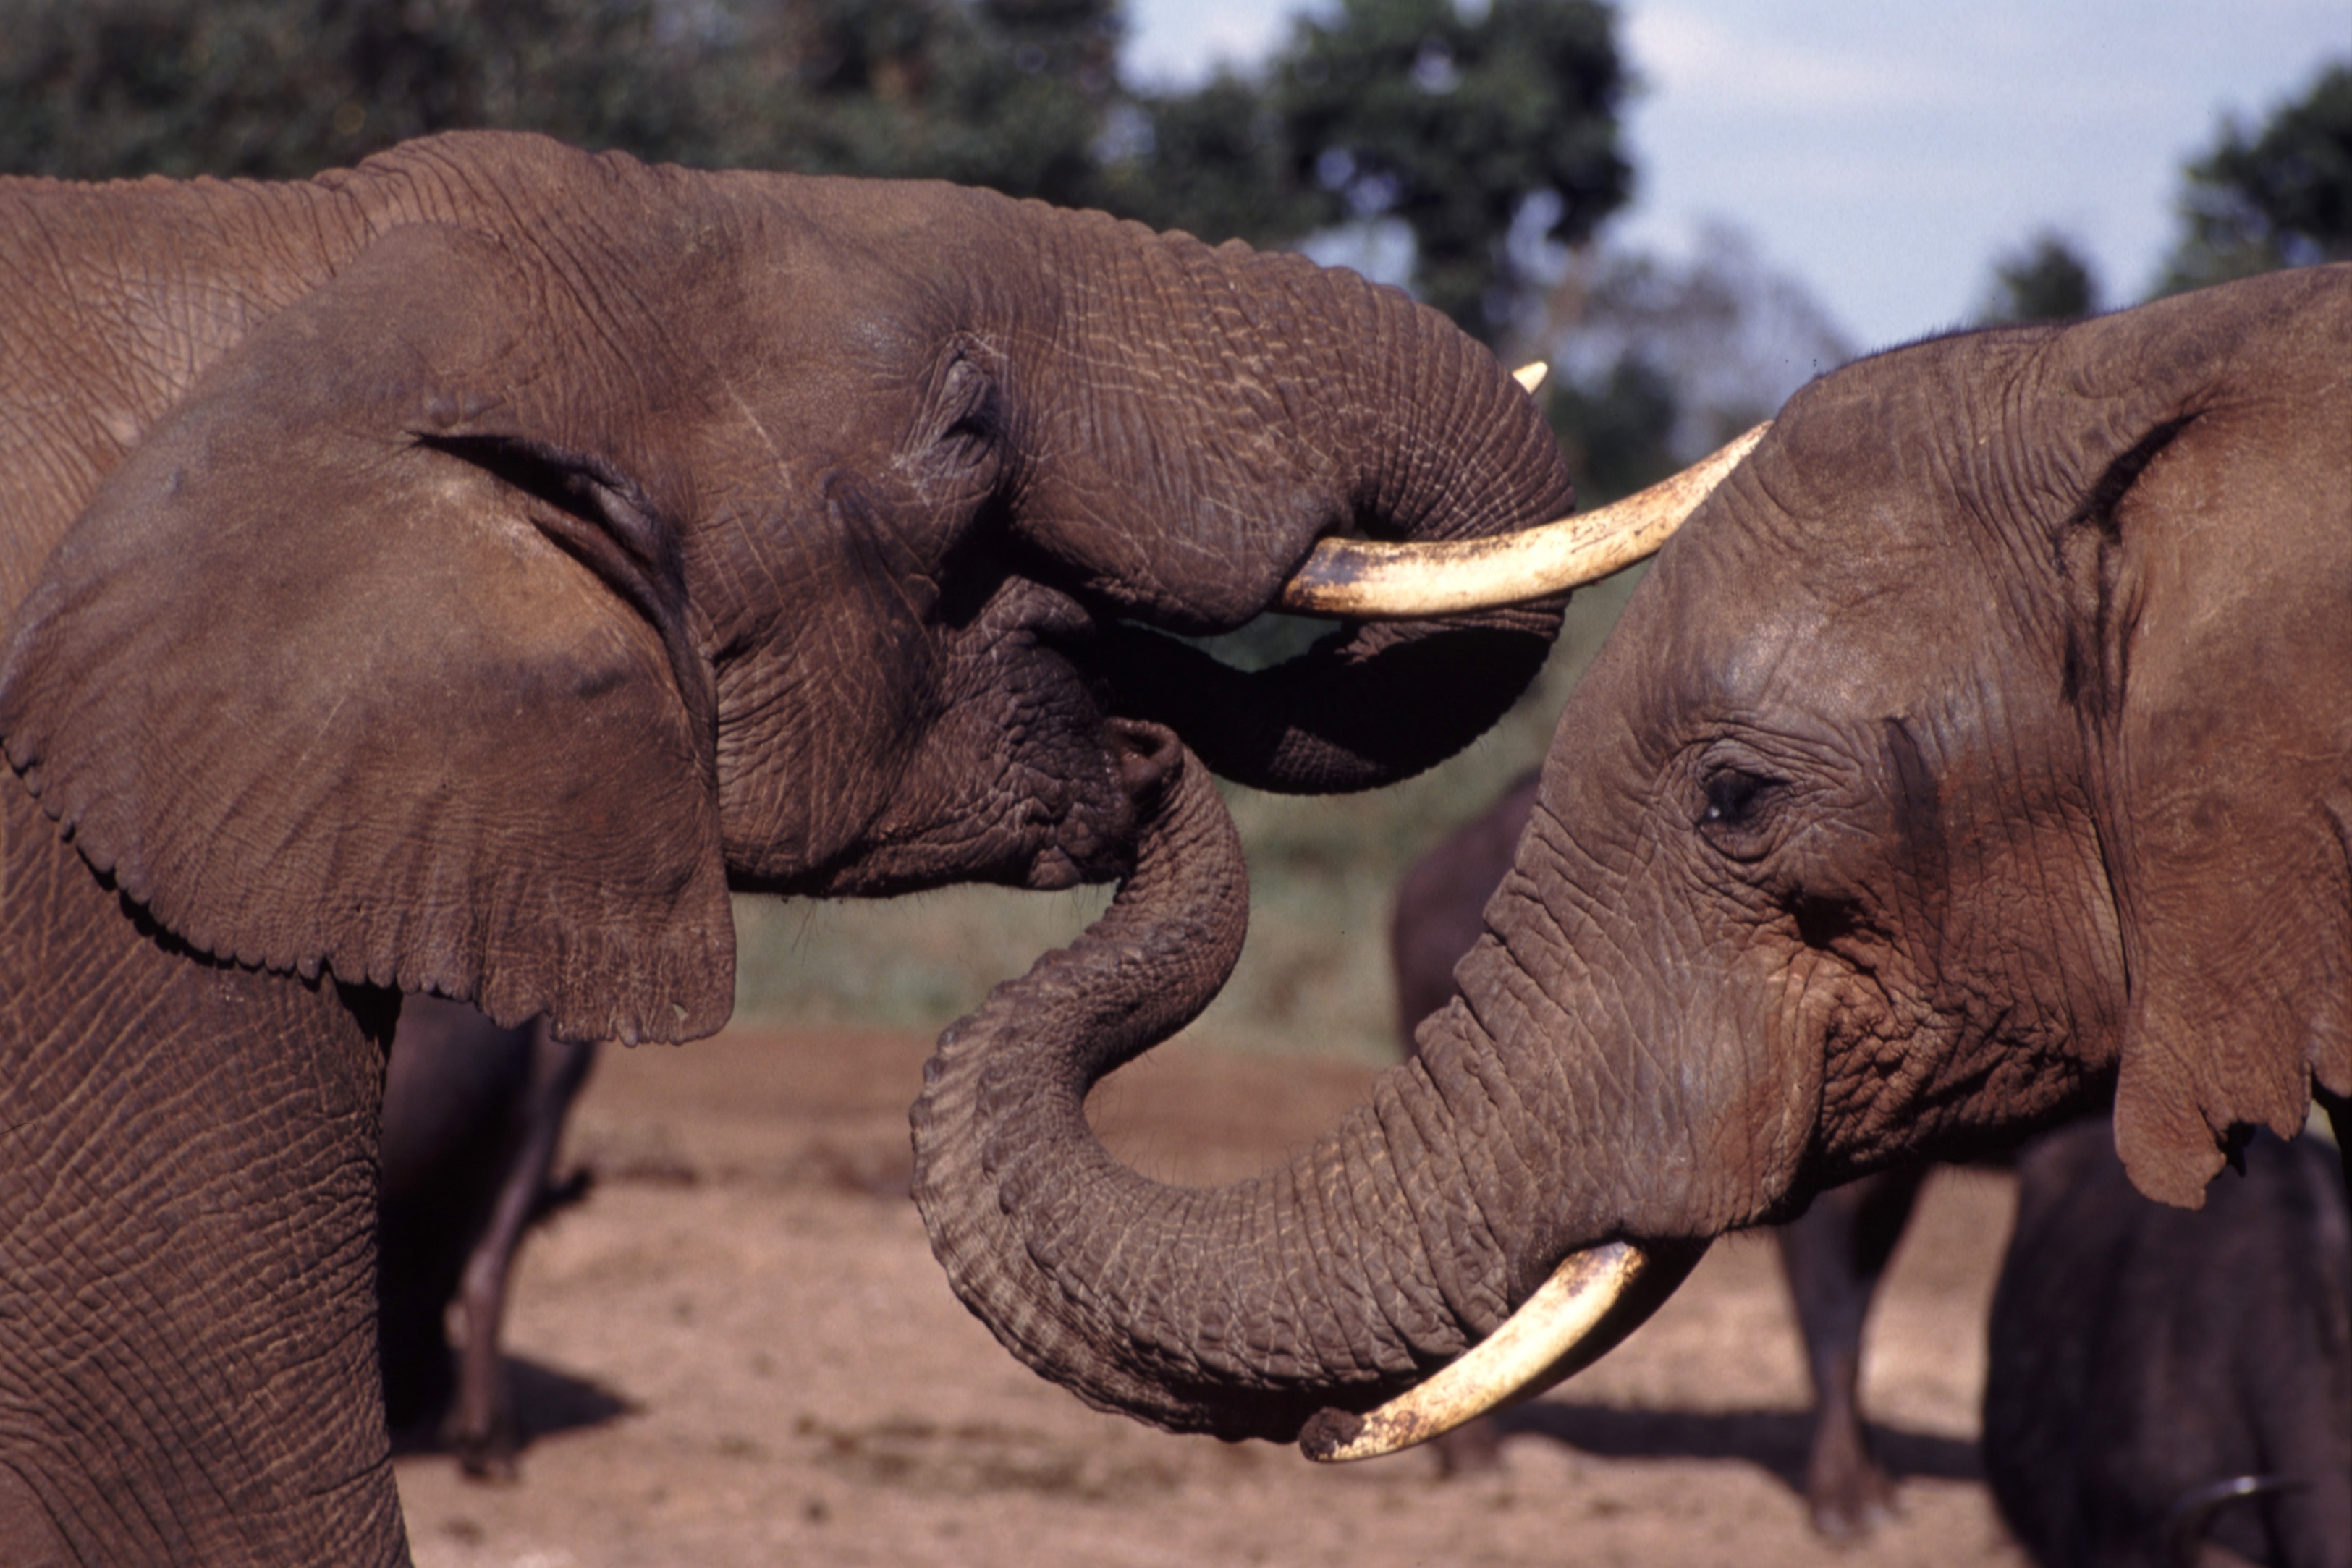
pixel 1315 975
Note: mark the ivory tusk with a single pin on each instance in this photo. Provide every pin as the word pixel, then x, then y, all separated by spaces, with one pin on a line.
pixel 1531 375
pixel 1549 1336
pixel 1378 579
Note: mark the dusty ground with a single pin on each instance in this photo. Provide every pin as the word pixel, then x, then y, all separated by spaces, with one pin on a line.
pixel 738 1350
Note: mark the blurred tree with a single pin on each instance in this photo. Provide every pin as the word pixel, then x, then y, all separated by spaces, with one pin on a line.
pixel 1213 162
pixel 2279 196
pixel 2045 279
pixel 1010 93
pixel 1463 121
pixel 1657 362
pixel 1458 120
pixel 96 88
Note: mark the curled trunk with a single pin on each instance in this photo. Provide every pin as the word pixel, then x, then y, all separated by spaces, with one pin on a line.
pixel 1315 406
pixel 1337 1281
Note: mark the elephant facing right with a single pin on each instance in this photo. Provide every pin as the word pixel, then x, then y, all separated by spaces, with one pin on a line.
pixel 1978 755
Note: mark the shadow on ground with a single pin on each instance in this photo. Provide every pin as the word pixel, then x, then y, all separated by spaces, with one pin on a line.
pixel 547 1401
pixel 1775 1441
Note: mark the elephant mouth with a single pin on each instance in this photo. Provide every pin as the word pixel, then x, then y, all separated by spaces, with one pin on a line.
pixel 1592 1300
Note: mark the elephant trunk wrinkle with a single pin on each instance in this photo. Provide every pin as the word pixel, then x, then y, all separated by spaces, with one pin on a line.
pixel 1238 1310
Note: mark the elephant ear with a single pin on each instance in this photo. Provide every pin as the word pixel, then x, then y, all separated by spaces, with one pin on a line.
pixel 2212 667
pixel 372 657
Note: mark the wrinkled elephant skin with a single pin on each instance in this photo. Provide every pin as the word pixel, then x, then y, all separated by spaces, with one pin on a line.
pixel 1979 754
pixel 459 574
pixel 1833 1255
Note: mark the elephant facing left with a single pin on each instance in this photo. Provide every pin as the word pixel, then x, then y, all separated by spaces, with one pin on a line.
pixel 457 573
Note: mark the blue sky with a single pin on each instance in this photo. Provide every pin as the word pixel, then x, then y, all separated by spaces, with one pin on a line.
pixel 1882 152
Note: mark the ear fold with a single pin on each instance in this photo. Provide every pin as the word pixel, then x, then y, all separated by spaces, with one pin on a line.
pixel 374 658
pixel 2213 670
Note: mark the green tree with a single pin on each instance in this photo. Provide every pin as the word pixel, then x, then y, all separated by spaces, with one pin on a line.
pixel 1010 93
pixel 1458 122
pixel 1461 121
pixel 2045 279
pixel 1658 361
pixel 96 88
pixel 2278 196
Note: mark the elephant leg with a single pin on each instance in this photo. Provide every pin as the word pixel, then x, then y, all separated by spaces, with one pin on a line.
pixel 187 1199
pixel 482 1427
pixel 1835 1255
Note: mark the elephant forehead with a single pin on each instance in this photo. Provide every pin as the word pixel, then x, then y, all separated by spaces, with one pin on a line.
pixel 1864 628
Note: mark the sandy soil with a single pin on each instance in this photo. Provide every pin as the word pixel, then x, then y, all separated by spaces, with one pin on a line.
pixel 738 1350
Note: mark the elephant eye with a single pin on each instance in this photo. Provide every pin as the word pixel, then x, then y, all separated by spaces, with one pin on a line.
pixel 1735 799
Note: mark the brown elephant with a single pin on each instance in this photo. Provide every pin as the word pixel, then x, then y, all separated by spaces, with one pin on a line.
pixel 1979 753
pixel 459 574
pixel 1833 1255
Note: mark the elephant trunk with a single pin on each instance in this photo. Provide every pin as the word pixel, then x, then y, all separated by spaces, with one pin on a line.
pixel 1419 1255
pixel 1340 409
pixel 1339 1279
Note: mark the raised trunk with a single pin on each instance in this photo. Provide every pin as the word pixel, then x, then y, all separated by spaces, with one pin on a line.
pixel 1308 404
pixel 1338 1279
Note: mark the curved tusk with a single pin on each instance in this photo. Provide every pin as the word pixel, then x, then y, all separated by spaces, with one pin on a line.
pixel 1531 375
pixel 1378 579
pixel 1550 1335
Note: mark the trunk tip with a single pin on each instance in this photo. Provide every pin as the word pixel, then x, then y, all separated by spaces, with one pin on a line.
pixel 1326 1432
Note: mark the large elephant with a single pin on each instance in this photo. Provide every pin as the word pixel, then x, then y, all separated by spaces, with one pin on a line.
pixel 1978 754
pixel 455 574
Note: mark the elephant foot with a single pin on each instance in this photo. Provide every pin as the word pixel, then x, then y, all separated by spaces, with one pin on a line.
pixel 482 1431
pixel 491 1456
pixel 1848 1496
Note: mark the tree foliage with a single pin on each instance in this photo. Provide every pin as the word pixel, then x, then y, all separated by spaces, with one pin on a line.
pixel 1453 119
pixel 1009 93
pixel 2279 195
pixel 1657 362
pixel 1449 119
pixel 2045 279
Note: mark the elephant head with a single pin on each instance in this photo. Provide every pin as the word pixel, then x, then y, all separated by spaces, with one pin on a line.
pixel 469 566
pixel 1980 749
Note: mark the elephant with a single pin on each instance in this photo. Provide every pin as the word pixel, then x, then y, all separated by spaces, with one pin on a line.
pixel 1976 756
pixel 473 1114
pixel 1833 1255
pixel 2151 1366
pixel 462 573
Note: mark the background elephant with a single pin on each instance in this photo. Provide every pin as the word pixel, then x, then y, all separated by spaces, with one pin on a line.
pixel 461 572
pixel 1835 1254
pixel 1979 754
pixel 2140 1353
pixel 473 1115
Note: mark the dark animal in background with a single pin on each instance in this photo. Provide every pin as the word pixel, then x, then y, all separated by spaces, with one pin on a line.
pixel 1833 1255
pixel 2142 1356
pixel 473 1114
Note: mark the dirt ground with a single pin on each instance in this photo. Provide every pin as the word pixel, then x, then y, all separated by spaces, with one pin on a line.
pixel 740 1351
